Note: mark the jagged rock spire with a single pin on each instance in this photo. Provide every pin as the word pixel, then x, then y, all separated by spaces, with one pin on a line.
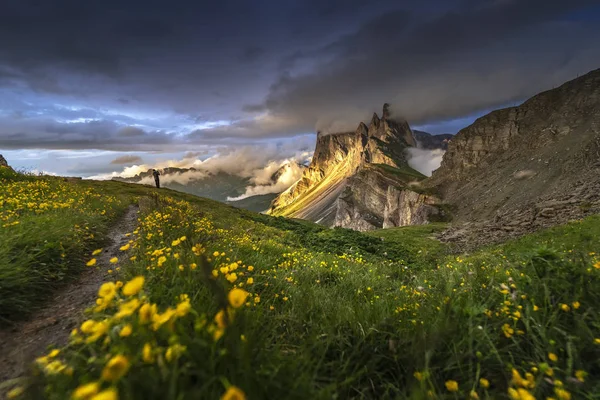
pixel 386 111
pixel 375 120
pixel 3 162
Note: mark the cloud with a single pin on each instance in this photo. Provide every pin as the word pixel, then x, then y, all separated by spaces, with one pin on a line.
pixel 137 79
pixel 425 161
pixel 263 183
pixel 128 159
pixel 448 65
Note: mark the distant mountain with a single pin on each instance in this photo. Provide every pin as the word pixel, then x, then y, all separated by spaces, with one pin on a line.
pixel 428 141
pixel 360 180
pixel 219 186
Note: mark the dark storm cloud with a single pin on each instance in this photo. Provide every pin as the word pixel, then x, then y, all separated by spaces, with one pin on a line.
pixel 152 75
pixel 448 65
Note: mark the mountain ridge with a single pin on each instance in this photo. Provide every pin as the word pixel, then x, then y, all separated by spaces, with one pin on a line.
pixel 520 169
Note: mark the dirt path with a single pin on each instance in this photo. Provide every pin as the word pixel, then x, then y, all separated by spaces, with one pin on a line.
pixel 25 341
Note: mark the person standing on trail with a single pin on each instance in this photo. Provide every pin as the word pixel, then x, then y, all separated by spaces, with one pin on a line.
pixel 156 177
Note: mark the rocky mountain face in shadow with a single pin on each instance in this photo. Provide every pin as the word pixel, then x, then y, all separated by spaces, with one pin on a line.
pixel 360 180
pixel 428 141
pixel 3 162
pixel 523 168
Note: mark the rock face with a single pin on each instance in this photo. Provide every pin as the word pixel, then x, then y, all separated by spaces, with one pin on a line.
pixel 3 162
pixel 347 183
pixel 523 168
pixel 428 141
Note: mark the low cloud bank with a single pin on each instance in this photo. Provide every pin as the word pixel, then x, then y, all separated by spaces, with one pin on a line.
pixel 257 163
pixel 264 184
pixel 425 161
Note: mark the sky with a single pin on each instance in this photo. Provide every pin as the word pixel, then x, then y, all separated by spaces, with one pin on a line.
pixel 93 88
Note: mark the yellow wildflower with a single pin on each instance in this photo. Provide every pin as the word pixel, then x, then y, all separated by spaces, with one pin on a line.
pixel 115 368
pixel 596 340
pixel 126 330
pixel 232 277
pixel 147 353
pixel 484 383
pixel 580 375
pixel 233 393
pixel 125 248
pixel 146 313
pixel 87 326
pixel 552 357
pixel 183 308
pixel 97 330
pixel 86 390
pixel 96 252
pixel 114 260
pixel 237 297
pixel 91 263
pixel 159 319
pixel 174 352
pixel 250 281
pixel 128 308
pixel 597 265
pixel 107 291
pixel 452 386
pixel 133 287
pixel 216 254
pixel 565 307
pixel 520 394
pixel 108 394
pixel 473 395
pixel 418 376
pixel 562 394
pixel 222 319
pixel 508 331
pixel 576 305
pixel 250 268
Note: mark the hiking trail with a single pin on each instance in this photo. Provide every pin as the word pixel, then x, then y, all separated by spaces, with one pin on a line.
pixel 21 343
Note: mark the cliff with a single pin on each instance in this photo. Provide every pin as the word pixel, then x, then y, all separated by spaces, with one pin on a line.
pixel 354 179
pixel 3 162
pixel 523 168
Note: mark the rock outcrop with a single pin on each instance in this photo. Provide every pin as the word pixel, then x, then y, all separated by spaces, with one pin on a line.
pixel 523 168
pixel 354 178
pixel 3 162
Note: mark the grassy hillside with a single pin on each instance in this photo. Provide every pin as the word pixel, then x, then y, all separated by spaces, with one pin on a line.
pixel 212 301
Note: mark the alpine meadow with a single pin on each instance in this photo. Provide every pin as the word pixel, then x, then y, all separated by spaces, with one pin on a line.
pixel 205 300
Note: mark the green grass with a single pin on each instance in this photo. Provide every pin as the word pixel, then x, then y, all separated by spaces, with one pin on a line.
pixel 48 227
pixel 341 314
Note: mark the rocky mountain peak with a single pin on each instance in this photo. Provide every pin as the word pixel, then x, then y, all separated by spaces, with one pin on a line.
pixel 386 111
pixel 340 156
pixel 3 162
pixel 375 120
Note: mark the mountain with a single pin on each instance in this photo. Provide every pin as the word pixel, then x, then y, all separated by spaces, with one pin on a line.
pixel 361 180
pixel 428 141
pixel 519 169
pixel 216 186
pixel 3 162
pixel 220 186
